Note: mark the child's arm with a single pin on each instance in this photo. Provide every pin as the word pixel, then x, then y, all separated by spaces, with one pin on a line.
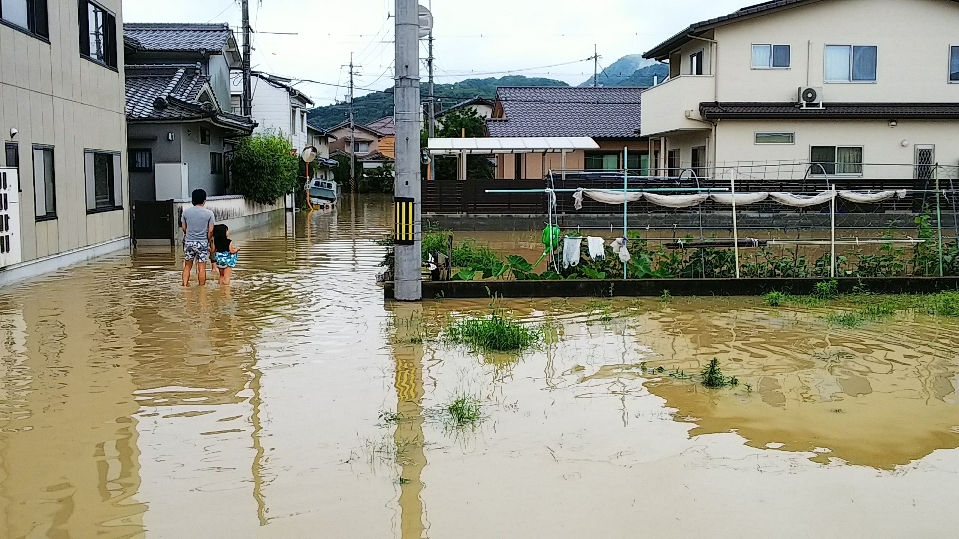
pixel 234 248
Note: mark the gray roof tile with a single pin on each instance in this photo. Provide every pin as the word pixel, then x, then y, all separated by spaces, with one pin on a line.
pixel 567 112
pixel 179 37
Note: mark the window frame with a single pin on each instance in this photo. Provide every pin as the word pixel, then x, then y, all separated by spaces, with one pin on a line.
pixel 758 133
pixel 206 136
pixel 216 163
pixel 700 55
pixel 48 216
pixel 15 146
pixel 32 21
pixel 132 157
pixel 772 56
pixel 114 172
pixel 678 153
pixel 698 168
pixel 852 61
pixel 835 156
pixel 111 49
pixel 953 50
pixel 603 156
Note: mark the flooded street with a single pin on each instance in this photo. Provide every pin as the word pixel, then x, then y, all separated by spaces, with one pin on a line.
pixel 296 403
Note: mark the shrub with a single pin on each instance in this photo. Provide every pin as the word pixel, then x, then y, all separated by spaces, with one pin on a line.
pixel 713 376
pixel 263 168
pixel 775 299
pixel 826 290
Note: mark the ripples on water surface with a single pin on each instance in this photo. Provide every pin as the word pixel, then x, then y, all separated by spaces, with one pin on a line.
pixel 132 408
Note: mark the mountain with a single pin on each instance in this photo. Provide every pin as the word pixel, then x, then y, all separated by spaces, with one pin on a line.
pixel 631 71
pixel 647 76
pixel 376 105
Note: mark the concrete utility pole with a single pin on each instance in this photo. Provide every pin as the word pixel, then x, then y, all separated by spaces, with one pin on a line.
pixel 246 107
pixel 432 105
pixel 352 134
pixel 595 66
pixel 408 284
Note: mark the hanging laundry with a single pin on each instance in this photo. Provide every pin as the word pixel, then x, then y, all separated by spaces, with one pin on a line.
pixel 596 247
pixel 571 251
pixel 606 196
pixel 619 247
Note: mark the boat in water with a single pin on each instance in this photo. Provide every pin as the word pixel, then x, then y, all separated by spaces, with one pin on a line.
pixel 323 192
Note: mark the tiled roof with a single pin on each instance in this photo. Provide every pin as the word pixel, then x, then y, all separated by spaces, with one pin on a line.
pixel 158 93
pixel 467 103
pixel 283 84
pixel 567 112
pixel 878 111
pixel 316 127
pixel 662 50
pixel 384 126
pixel 375 157
pixel 168 37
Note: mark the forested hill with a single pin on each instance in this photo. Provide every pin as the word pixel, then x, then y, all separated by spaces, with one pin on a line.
pixel 376 105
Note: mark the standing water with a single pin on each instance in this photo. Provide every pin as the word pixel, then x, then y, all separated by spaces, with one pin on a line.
pixel 295 403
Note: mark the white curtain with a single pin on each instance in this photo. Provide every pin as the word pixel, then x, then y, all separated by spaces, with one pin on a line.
pixel 837 62
pixel 762 55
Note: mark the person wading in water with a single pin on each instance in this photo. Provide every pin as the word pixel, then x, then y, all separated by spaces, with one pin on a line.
pixel 197 224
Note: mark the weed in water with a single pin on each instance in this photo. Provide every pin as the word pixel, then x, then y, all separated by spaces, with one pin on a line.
pixel 826 290
pixel 837 411
pixel 403 481
pixel 666 297
pixel 497 332
pixel 464 411
pixel 775 299
pixel 850 319
pixel 713 376
pixel 388 417
pixel 749 388
pixel 942 304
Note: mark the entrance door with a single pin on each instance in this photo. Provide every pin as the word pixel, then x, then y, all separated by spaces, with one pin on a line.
pixel 10 252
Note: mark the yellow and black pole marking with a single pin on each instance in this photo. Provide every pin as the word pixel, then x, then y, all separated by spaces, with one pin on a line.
pixel 405 221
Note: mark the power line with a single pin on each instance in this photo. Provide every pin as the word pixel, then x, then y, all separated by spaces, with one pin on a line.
pixel 231 4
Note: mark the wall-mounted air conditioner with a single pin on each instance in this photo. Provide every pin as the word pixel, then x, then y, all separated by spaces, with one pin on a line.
pixel 810 97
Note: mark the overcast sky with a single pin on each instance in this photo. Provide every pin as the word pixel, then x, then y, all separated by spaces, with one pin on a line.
pixel 473 38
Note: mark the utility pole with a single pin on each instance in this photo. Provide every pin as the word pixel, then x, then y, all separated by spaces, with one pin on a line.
pixel 246 107
pixel 352 134
pixel 432 105
pixel 408 284
pixel 595 66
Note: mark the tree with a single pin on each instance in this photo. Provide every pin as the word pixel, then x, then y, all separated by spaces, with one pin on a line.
pixel 455 124
pixel 378 180
pixel 264 168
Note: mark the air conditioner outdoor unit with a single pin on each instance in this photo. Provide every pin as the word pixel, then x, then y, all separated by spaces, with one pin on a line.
pixel 810 98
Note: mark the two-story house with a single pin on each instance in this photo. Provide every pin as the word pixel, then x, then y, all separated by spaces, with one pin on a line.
pixel 320 139
pixel 177 87
pixel 278 107
pixel 63 183
pixel 844 86
pixel 377 138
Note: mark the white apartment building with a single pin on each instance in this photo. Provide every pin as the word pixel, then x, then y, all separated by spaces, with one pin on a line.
pixel 277 107
pixel 63 129
pixel 841 83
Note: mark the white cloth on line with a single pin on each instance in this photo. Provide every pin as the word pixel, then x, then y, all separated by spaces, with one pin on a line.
pixel 742 199
pixel 571 251
pixel 802 201
pixel 606 196
pixel 619 247
pixel 676 201
pixel 596 247
pixel 864 197
pixel 552 198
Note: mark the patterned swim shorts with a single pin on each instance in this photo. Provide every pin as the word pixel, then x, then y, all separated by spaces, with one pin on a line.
pixel 226 260
pixel 198 251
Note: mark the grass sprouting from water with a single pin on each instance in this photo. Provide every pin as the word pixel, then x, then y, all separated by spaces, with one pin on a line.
pixel 464 411
pixel 942 304
pixel 713 376
pixel 497 333
pixel 775 299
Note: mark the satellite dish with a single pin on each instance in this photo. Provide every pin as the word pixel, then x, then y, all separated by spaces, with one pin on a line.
pixel 309 154
pixel 426 22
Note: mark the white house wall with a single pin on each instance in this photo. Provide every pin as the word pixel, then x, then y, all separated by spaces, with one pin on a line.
pixel 272 108
pixel 54 97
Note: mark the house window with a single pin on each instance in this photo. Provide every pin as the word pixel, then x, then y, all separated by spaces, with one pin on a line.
pixel 303 122
pixel 216 163
pixel 770 56
pixel 601 161
pixel 293 122
pixel 696 63
pixel 953 64
pixel 44 183
pixel 204 136
pixel 698 161
pixel 775 138
pixel 638 163
pixel 836 159
pixel 102 170
pixel 28 15
pixel 12 158
pixel 141 160
pixel 361 147
pixel 98 34
pixel 851 63
pixel 672 162
pixel 518 166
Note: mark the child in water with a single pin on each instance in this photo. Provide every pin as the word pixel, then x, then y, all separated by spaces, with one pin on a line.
pixel 224 252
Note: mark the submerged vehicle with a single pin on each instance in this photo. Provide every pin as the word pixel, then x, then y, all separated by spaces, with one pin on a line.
pixel 323 192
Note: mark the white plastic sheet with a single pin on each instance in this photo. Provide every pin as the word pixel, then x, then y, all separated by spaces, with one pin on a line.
pixel 676 201
pixel 862 197
pixel 802 201
pixel 605 196
pixel 742 199
pixel 571 250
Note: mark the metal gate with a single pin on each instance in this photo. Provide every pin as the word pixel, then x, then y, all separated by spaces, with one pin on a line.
pixel 10 252
pixel 154 220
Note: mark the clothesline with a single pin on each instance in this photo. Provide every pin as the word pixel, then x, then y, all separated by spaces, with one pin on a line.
pixel 618 196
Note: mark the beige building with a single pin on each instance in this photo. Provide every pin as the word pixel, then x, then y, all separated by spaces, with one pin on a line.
pixel 371 138
pixel 63 128
pixel 844 85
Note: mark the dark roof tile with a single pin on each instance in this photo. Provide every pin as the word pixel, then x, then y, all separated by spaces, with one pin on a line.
pixel 567 112
pixel 169 37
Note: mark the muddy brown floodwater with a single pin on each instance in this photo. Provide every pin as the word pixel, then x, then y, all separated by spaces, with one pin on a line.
pixel 130 407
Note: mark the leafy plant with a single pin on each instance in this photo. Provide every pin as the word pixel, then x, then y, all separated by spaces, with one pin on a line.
pixel 713 376
pixel 263 168
pixel 826 290
pixel 464 411
pixel 775 299
pixel 497 332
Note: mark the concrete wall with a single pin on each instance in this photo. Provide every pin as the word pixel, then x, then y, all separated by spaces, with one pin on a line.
pixel 54 97
pixel 197 156
pixel 234 211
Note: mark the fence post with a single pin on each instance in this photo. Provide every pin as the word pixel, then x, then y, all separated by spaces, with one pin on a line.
pixel 832 234
pixel 732 185
pixel 625 215
pixel 939 218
